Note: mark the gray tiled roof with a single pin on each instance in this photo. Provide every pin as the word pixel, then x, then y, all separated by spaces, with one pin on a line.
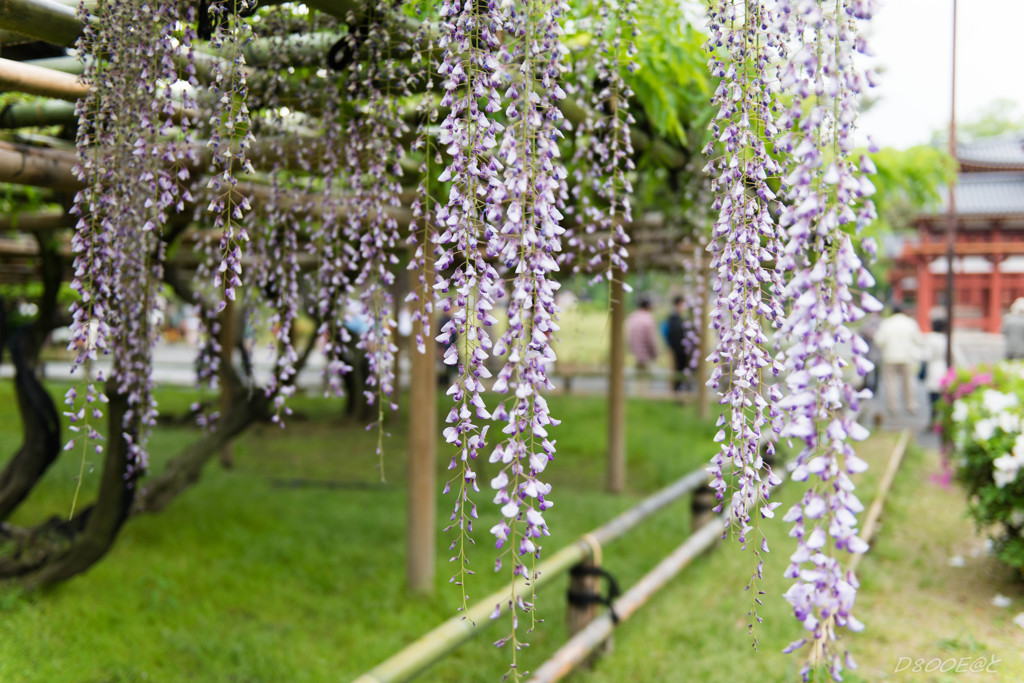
pixel 995 153
pixel 999 193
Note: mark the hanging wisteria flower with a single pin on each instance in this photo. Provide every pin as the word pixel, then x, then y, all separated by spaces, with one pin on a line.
pixel 230 139
pixel 132 177
pixel 530 239
pixel 468 237
pixel 745 240
pixel 825 203
pixel 286 231
pixel 373 152
pixel 604 150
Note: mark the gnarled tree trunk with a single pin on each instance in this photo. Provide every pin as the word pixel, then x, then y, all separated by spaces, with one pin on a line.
pixel 39 418
pixel 104 519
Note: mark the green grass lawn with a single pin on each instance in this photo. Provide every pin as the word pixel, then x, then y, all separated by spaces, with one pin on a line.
pixel 915 605
pixel 290 568
pixel 250 577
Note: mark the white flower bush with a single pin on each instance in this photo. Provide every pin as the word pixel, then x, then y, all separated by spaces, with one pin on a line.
pixel 983 424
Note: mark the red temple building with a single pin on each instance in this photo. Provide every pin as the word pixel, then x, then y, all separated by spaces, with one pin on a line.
pixel 988 263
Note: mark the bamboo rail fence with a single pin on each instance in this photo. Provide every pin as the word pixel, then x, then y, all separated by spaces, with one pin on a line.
pixel 580 646
pixel 430 648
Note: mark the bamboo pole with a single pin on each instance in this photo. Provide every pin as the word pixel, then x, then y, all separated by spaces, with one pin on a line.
pixel 452 633
pixel 704 341
pixel 421 524
pixel 430 648
pixel 56 22
pixel 52 169
pixel 45 20
pixel 579 647
pixel 10 39
pixel 617 388
pixel 38 114
pixel 875 511
pixel 42 221
pixel 68 64
pixel 23 165
pixel 37 80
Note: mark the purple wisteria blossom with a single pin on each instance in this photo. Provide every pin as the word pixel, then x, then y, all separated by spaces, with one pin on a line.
pixel 826 202
pixel 230 139
pixel 747 290
pixel 467 238
pixel 530 240
pixel 373 150
pixel 604 150
pixel 133 178
pixel 420 241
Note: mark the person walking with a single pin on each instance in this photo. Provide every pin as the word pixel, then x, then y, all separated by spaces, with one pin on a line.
pixel 642 334
pixel 676 331
pixel 900 344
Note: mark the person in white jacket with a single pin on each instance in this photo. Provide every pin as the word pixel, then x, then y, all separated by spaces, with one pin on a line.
pixel 935 363
pixel 900 343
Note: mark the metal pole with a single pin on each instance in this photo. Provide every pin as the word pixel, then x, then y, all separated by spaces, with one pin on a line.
pixel 951 229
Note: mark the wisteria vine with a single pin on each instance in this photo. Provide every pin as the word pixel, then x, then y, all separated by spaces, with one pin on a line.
pixel 747 289
pixel 789 198
pixel 766 52
pixel 826 202
pixel 133 179
pixel 530 243
pixel 467 237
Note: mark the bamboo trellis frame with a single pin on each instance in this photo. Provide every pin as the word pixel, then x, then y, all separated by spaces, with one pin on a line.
pixel 56 78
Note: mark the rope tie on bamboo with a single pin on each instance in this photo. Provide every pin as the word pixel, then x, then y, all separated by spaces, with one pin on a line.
pixel 584 598
pixel 595 548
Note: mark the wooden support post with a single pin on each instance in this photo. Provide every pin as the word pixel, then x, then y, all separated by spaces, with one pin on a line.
pixel 581 583
pixel 994 315
pixel 925 294
pixel 617 388
pixel 704 342
pixel 580 645
pixel 701 506
pixel 584 585
pixel 422 494
pixel 228 339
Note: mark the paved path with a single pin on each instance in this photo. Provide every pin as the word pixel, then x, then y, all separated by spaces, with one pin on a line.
pixel 174 366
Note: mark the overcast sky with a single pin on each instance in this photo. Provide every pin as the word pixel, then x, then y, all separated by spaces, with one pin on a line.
pixel 912 45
